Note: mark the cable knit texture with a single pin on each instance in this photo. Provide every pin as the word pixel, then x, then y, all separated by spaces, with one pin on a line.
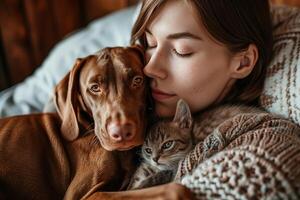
pixel 251 156
pixel 257 156
pixel 281 93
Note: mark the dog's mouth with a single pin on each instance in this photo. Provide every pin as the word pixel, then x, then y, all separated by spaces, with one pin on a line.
pixel 110 145
pixel 118 147
pixel 126 149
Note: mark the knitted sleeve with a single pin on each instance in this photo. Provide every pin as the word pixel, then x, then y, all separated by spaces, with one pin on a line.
pixel 252 156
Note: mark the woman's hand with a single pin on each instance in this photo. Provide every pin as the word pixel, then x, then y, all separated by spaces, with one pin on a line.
pixel 176 191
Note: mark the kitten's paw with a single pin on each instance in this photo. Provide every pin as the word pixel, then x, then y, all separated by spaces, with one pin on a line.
pixel 162 177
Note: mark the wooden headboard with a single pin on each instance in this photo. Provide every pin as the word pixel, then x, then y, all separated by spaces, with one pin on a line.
pixel 30 28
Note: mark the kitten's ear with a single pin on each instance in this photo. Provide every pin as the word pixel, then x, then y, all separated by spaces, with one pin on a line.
pixel 183 117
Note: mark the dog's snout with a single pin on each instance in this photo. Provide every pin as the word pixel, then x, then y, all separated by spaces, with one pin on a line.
pixel 121 132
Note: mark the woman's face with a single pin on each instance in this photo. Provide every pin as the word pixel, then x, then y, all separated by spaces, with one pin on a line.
pixel 183 61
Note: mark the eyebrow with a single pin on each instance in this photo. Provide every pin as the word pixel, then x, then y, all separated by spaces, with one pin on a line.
pixel 180 35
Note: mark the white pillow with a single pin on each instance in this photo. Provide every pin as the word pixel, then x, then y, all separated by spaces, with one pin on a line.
pixel 32 94
pixel 281 93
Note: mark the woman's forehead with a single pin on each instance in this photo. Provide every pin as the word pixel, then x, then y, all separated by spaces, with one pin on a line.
pixel 175 17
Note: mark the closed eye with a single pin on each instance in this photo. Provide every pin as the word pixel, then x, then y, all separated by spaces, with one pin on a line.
pixel 182 54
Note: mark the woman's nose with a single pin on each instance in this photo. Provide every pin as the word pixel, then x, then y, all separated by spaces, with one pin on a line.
pixel 156 65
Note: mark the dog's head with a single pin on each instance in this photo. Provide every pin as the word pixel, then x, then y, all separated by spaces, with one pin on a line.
pixel 105 93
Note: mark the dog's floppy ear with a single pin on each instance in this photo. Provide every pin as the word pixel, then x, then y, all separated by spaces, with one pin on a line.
pixel 67 94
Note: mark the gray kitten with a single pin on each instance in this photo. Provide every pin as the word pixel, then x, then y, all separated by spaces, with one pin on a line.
pixel 169 141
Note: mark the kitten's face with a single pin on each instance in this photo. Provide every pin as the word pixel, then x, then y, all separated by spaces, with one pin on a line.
pixel 166 144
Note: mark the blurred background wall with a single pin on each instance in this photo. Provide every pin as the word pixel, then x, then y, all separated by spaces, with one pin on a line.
pixel 30 28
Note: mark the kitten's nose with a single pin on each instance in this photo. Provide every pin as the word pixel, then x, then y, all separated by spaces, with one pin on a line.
pixel 155 159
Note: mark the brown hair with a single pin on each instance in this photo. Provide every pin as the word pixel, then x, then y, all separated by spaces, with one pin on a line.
pixel 234 23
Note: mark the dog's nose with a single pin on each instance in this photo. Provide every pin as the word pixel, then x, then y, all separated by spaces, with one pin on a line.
pixel 121 132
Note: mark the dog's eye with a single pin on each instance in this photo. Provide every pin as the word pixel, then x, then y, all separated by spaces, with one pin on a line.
pixel 95 88
pixel 137 81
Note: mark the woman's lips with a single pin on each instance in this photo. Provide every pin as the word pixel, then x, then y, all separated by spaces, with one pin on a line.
pixel 159 95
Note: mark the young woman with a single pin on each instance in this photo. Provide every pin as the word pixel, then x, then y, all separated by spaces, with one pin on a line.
pixel 205 52
pixel 210 52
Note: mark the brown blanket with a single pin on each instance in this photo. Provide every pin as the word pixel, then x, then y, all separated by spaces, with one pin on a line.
pixel 252 156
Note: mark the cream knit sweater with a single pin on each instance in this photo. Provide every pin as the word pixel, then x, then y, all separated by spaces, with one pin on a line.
pixel 251 156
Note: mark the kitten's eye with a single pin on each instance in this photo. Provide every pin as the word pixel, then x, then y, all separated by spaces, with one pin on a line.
pixel 148 150
pixel 168 145
pixel 95 88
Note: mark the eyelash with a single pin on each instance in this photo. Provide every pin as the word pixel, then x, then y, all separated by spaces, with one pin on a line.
pixel 174 51
pixel 182 55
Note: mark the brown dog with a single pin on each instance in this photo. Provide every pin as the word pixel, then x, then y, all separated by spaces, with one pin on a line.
pixel 101 107
pixel 104 94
